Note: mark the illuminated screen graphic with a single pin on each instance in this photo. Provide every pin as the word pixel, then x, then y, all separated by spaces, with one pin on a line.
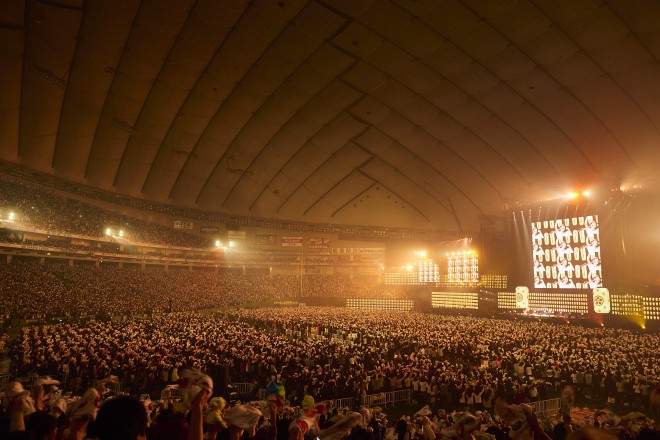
pixel 463 268
pixel 566 253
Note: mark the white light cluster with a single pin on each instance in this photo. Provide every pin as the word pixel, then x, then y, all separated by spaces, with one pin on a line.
pixel 463 268
pixel 506 300
pixel 455 300
pixel 8 216
pixel 397 305
pixel 114 234
pixel 402 277
pixel 651 308
pixel 558 302
pixel 428 272
pixel 220 245
pixel 628 305
pixel 494 281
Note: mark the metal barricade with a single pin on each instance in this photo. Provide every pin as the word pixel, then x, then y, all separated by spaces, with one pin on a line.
pixel 73 384
pixel 546 407
pixel 375 399
pixel 247 388
pixel 115 387
pixel 399 396
pixel 4 380
pixel 244 387
pixel 175 393
pixel 27 381
pixel 346 402
pixel 389 398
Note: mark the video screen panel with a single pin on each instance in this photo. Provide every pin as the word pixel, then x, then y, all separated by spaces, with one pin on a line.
pixel 566 253
pixel 463 268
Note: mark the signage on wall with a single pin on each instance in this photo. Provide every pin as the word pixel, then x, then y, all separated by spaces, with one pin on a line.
pixel 180 224
pixel 318 243
pixel 292 241
pixel 265 240
pixel 235 234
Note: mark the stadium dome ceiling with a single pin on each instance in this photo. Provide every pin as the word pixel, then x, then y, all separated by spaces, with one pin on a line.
pixel 415 113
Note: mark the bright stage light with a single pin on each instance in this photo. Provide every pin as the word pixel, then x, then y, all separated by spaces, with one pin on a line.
pixel 409 268
pixel 572 195
pixel 11 216
pixel 586 193
pixel 217 243
pixel 108 231
pixel 231 244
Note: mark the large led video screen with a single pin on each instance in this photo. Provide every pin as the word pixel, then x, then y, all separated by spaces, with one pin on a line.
pixel 566 253
pixel 463 268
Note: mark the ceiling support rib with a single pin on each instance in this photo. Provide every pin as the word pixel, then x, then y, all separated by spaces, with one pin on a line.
pixel 333 187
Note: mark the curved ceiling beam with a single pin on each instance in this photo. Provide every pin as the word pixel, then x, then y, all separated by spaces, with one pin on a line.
pixel 570 92
pixel 336 184
pixel 265 147
pixel 195 86
pixel 320 166
pixel 419 211
pixel 515 92
pixel 106 102
pixel 290 159
pixel 452 118
pixel 468 129
pixel 204 132
pixel 355 197
pixel 450 150
pixel 145 104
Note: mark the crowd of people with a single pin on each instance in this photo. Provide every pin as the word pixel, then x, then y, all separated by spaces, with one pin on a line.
pixel 45 210
pixel 458 360
pixel 248 256
pixel 454 366
pixel 29 208
pixel 451 363
pixel 30 290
